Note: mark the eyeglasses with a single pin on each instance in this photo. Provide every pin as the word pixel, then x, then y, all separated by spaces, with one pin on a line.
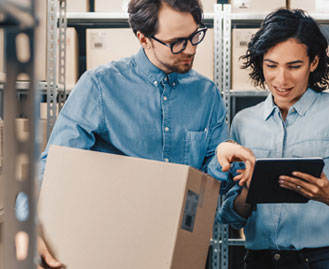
pixel 180 44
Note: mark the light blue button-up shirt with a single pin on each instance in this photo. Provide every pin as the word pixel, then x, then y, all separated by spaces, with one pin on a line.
pixel 131 107
pixel 304 133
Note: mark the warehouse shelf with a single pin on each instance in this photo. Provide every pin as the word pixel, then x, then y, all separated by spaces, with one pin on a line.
pixel 110 18
pixel 240 17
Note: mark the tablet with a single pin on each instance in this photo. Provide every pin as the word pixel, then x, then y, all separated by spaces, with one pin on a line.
pixel 264 185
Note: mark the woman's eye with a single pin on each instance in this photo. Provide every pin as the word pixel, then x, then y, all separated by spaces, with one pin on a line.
pixel 294 66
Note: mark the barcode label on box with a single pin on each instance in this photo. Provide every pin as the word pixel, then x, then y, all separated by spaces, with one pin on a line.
pixel 191 205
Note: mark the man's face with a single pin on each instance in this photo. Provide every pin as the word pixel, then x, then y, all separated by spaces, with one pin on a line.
pixel 172 26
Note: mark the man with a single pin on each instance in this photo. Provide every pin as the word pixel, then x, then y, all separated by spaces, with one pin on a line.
pixel 152 105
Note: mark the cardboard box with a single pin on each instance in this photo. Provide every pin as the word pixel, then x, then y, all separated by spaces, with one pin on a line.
pixel 204 58
pixel 77 6
pixel 208 5
pixel 122 5
pixel 240 77
pixel 255 6
pixel 315 6
pixel 111 5
pixel 108 211
pixel 105 45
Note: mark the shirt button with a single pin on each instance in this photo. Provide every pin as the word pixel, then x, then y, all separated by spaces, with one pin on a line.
pixel 155 83
pixel 166 129
pixel 165 78
pixel 166 160
pixel 277 256
pixel 165 98
pixel 174 84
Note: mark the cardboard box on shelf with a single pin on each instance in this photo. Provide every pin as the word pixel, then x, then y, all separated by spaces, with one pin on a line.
pixel 105 45
pixel 111 5
pixel 204 58
pixel 77 6
pixel 315 6
pixel 208 5
pixel 255 6
pixel 240 77
pixel 122 5
pixel 147 214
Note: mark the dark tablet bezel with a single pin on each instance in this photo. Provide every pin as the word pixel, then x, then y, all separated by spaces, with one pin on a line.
pixel 264 186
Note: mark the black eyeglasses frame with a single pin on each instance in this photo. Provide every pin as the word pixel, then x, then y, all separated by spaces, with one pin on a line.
pixel 172 44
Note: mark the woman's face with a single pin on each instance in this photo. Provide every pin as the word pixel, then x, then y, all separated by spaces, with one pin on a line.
pixel 287 69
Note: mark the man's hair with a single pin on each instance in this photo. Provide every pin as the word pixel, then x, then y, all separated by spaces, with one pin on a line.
pixel 143 14
pixel 280 26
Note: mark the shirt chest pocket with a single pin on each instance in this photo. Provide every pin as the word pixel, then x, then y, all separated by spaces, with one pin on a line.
pixel 314 148
pixel 195 148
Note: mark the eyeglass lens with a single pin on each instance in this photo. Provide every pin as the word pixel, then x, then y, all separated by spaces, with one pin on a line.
pixel 195 39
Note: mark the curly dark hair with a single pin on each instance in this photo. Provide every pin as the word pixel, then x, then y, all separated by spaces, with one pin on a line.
pixel 143 14
pixel 280 26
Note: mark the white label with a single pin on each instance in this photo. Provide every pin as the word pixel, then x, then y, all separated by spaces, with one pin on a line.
pixel 242 4
pixel 98 40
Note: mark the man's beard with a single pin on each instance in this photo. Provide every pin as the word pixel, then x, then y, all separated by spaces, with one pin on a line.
pixel 176 67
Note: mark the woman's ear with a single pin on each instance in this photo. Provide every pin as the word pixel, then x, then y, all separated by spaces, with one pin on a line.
pixel 314 63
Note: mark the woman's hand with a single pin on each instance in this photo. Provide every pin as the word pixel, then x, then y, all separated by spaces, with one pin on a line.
pixel 311 187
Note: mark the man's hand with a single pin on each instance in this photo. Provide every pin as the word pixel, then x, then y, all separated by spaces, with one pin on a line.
pixel 46 256
pixel 228 152
pixel 311 187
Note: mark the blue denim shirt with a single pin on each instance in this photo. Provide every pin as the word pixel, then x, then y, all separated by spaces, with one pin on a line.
pixel 130 107
pixel 304 133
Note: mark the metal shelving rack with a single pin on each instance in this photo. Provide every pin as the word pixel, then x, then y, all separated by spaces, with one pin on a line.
pixel 18 18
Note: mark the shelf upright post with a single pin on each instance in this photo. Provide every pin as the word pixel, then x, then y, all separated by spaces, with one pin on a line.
pixel 20 218
pixel 227 59
pixel 226 85
pixel 62 54
pixel 216 258
pixel 51 65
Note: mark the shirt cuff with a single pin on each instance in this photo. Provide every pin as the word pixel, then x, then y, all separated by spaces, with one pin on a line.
pixel 227 214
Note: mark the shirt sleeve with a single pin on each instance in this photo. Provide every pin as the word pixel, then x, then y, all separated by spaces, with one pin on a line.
pixel 80 120
pixel 226 214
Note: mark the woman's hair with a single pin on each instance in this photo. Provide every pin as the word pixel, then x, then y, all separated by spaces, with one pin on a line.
pixel 280 26
pixel 143 14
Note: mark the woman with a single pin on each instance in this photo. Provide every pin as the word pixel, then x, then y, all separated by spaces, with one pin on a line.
pixel 289 54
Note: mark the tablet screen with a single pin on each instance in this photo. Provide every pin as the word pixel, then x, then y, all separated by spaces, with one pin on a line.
pixel 264 186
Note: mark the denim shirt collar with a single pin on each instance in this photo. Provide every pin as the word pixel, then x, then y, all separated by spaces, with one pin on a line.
pixel 152 73
pixel 301 106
